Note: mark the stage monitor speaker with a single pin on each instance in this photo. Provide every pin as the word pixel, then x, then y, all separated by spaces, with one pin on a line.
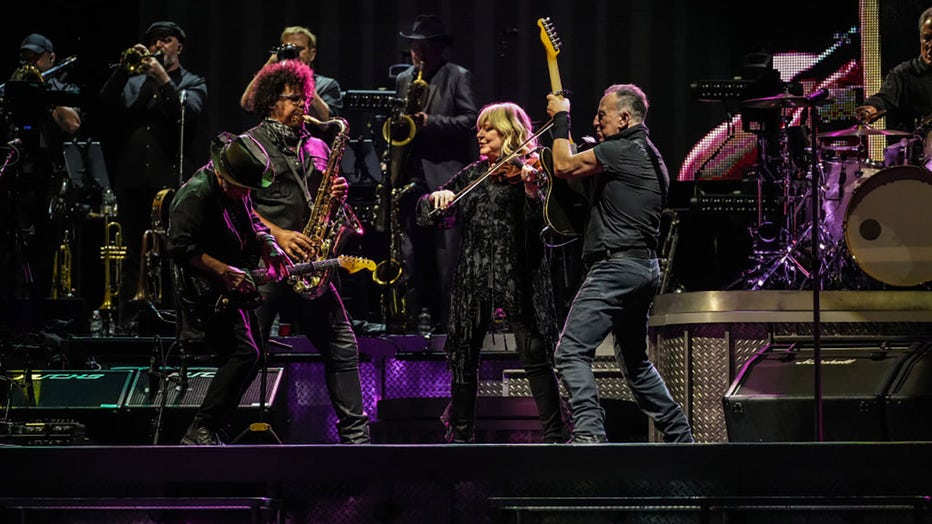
pixel 773 397
pixel 910 397
pixel 146 392
pixel 69 389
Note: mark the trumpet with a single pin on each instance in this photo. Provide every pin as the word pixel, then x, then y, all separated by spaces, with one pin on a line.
pixel 131 59
pixel 112 252
pixel 62 268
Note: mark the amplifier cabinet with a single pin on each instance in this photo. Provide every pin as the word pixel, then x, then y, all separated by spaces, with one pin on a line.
pixel 772 399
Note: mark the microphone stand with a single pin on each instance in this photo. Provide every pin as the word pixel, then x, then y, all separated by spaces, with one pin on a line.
pixel 183 96
pixel 815 99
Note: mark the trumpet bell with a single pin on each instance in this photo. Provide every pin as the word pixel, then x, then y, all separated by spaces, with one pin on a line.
pixel 132 58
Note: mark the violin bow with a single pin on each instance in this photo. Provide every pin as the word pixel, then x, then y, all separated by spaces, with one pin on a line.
pixel 495 167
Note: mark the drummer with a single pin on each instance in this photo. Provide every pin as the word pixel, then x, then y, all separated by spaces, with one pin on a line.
pixel 905 98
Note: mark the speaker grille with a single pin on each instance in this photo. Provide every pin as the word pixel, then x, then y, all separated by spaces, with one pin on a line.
pixel 146 391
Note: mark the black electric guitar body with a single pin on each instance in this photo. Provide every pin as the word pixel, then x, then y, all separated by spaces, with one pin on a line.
pixel 565 207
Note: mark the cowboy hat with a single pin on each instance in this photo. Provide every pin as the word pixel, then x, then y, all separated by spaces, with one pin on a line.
pixel 241 160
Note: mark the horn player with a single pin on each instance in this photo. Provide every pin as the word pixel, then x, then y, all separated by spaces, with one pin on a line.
pixel 281 94
pixel 150 119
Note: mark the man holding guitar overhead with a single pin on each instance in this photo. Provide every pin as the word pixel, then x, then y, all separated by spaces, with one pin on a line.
pixel 628 182
pixel 214 236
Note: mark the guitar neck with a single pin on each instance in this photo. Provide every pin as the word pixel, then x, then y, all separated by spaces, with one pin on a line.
pixel 556 86
pixel 261 275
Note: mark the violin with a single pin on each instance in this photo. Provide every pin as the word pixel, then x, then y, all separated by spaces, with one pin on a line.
pixel 510 171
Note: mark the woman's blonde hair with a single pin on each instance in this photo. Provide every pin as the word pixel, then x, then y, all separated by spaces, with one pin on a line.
pixel 511 121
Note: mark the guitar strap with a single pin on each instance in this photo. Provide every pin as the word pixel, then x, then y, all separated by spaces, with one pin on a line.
pixel 651 152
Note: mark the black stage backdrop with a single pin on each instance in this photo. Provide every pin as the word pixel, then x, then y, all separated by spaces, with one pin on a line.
pixel 662 46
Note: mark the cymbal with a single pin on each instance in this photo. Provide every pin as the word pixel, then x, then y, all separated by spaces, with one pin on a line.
pixel 771 102
pixel 784 100
pixel 844 148
pixel 861 130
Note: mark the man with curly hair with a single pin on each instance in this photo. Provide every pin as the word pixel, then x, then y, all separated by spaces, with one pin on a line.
pixel 281 94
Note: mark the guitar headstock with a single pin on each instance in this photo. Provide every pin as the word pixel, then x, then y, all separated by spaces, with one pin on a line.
pixel 548 36
pixel 354 264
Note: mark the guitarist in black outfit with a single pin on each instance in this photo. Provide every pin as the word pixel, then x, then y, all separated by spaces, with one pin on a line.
pixel 214 238
pixel 628 182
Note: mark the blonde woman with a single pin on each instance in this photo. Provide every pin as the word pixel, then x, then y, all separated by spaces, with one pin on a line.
pixel 501 267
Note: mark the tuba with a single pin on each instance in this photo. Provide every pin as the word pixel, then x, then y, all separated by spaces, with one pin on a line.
pixel 330 222
pixel 149 285
pixel 400 129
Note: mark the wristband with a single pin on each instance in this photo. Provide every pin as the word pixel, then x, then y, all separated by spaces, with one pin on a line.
pixel 561 125
pixel 267 237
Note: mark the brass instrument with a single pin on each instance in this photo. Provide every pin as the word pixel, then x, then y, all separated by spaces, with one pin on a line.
pixel 400 129
pixel 61 269
pixel 112 252
pixel 330 222
pixel 149 284
pixel 388 273
pixel 27 73
pixel 131 59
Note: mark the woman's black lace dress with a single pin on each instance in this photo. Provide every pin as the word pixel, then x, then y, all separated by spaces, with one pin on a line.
pixel 502 263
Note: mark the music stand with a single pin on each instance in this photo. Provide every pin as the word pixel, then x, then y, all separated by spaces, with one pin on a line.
pixel 85 163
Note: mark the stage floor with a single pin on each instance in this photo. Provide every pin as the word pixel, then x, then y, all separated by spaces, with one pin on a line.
pixel 755 482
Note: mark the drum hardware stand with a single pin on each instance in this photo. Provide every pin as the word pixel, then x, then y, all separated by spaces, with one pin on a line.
pixel 787 238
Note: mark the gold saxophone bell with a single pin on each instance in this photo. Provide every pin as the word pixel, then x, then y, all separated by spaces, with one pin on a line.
pixel 131 59
pixel 400 129
pixel 387 272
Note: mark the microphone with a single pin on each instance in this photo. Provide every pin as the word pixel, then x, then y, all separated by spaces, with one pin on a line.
pixel 818 95
pixel 16 142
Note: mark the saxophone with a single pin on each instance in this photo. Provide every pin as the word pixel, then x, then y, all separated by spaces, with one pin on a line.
pixel 331 222
pixel 398 131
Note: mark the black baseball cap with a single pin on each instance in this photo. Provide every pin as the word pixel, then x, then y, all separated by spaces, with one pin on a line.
pixel 37 44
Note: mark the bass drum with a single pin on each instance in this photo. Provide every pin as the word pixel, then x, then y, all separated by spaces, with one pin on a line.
pixel 888 226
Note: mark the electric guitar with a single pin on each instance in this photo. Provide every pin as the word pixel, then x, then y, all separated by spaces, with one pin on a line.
pixel 201 289
pixel 565 208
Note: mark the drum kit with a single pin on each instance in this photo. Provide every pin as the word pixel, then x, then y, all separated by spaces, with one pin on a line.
pixel 874 224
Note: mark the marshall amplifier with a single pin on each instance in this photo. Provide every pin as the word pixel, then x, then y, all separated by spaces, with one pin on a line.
pixel 68 389
pixel 773 397
pixel 909 400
